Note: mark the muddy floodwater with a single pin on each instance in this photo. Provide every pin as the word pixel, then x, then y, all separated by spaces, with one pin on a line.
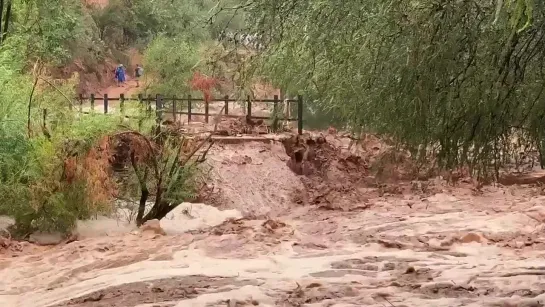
pixel 449 247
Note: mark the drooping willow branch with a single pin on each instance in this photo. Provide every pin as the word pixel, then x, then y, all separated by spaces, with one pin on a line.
pixel 457 75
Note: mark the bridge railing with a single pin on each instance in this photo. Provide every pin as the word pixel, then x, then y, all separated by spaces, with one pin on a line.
pixel 185 106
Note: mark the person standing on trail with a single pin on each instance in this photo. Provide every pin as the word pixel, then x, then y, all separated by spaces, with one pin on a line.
pixel 138 72
pixel 120 75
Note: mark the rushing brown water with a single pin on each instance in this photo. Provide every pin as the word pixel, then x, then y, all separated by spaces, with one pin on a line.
pixel 452 248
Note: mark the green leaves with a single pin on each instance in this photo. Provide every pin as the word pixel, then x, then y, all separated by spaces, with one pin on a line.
pixel 171 61
pixel 520 13
pixel 46 29
pixel 431 74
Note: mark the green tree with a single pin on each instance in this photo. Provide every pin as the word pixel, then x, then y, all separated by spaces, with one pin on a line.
pixel 54 171
pixel 454 77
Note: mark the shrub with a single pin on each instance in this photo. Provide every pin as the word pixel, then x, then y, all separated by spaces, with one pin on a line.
pixel 163 169
pixel 59 174
pixel 204 84
pixel 170 61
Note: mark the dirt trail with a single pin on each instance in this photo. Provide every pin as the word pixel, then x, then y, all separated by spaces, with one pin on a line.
pixel 128 89
pixel 448 247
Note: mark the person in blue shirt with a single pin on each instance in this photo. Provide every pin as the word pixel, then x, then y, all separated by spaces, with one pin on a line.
pixel 120 75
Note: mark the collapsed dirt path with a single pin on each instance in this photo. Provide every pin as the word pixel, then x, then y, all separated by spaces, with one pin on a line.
pixel 442 247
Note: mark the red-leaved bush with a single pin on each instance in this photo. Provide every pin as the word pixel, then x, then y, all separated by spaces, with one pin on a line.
pixel 203 83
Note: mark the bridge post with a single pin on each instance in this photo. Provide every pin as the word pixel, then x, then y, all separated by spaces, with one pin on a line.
pixel 275 104
pixel 299 114
pixel 149 100
pixel 249 107
pixel 159 108
pixel 174 115
pixel 122 103
pixel 188 108
pixel 275 115
pixel 206 111
pixel 105 103
pixel 226 104
pixel 92 102
pixel 80 102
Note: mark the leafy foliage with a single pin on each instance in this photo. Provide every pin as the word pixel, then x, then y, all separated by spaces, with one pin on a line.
pixel 520 13
pixel 59 175
pixel 43 30
pixel 186 42
pixel 203 83
pixel 170 62
pixel 452 78
pixel 163 167
pixel 55 167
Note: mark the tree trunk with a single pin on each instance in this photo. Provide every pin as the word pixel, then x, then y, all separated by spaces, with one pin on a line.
pixel 1 14
pixel 6 21
pixel 142 206
pixel 159 211
pixel 160 207
pixel 144 192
